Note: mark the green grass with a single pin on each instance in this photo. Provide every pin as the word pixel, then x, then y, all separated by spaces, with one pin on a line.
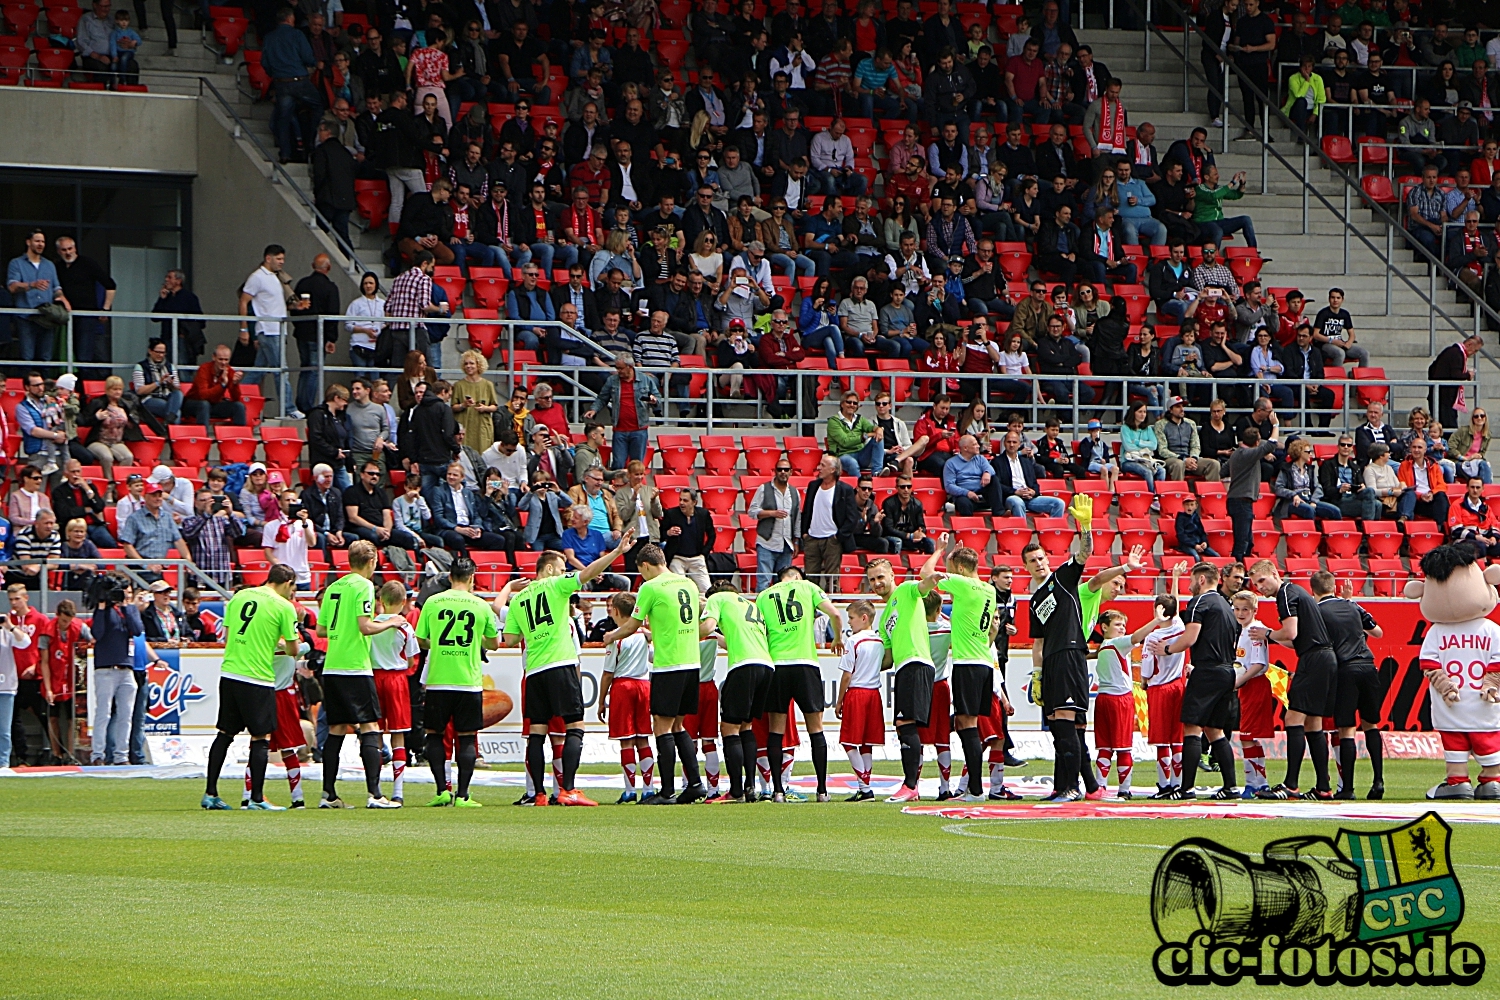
pixel 126 889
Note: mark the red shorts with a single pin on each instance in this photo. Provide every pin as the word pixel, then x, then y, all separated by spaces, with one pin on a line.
pixel 992 726
pixel 395 700
pixel 761 727
pixel 1484 746
pixel 1164 712
pixel 708 711
pixel 288 735
pixel 630 708
pixel 864 718
pixel 939 728
pixel 1257 709
pixel 1114 721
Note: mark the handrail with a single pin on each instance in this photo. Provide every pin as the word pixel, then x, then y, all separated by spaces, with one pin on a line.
pixel 185 568
pixel 1351 186
pixel 243 129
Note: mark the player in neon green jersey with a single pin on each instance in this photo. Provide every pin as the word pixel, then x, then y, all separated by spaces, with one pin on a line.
pixel 742 633
pixel 787 608
pixel 538 616
pixel 455 625
pixel 903 630
pixel 669 603
pixel 259 622
pixel 973 624
pixel 347 620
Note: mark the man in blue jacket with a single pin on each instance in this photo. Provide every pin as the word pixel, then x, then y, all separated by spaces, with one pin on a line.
pixel 463 518
pixel 287 57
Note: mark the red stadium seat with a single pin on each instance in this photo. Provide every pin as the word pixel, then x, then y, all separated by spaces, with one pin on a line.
pixel 1134 499
pixel 1383 539
pixel 1211 500
pixel 1011 536
pixel 483 337
pixel 1056 536
pixel 190 444
pixel 720 453
pixel 678 453
pixel 1422 537
pixel 1137 531
pixel 804 453
pixel 761 453
pixel 717 493
pixel 1263 538
pixel 1302 537
pixel 1338 149
pixel 283 446
pixel 972 531
pixel 1341 539
pixel 1220 532
pixel 1389 576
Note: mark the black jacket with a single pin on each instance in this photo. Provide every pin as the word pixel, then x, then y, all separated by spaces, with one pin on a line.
pixel 316 507
pixel 1328 478
pixel 325 302
pixel 327 435
pixel 576 139
pixel 679 307
pixel 1291 359
pixel 695 220
pixel 845 511
pixel 902 522
pixel 421 216
pixel 640 177
pixel 590 315
pixel 1163 285
pixel 697 538
pixel 381 73
pixel 333 176
pixel 433 433
pixel 1364 437
pixel 1050 230
pixel 68 504
pixel 1057 356
pixel 1001 465
pixel 397 142
pixel 1052 159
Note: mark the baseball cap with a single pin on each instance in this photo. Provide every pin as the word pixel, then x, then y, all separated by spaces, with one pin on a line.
pixel 275 477
pixel 68 382
pixel 161 474
pixel 152 486
pixel 1095 425
pixel 1466 105
pixel 257 467
pixel 1176 401
pixel 736 324
pixel 160 587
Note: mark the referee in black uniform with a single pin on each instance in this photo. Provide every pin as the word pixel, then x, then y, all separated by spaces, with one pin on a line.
pixel 1313 693
pixel 1359 686
pixel 1210 704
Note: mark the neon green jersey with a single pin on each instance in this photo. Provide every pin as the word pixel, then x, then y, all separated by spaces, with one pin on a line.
pixel 539 615
pixel 903 626
pixel 255 623
pixel 973 614
pixel 744 628
pixel 344 602
pixel 455 623
pixel 1088 603
pixel 670 606
pixel 788 609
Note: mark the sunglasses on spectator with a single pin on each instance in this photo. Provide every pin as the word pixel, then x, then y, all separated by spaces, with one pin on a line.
pixel 784 468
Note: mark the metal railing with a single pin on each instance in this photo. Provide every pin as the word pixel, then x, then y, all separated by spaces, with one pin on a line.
pixel 187 572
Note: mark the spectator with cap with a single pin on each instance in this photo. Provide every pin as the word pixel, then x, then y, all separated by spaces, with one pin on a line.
pixel 179 492
pixel 251 501
pixel 1192 539
pixel 135 489
pixel 151 531
pixel 1178 445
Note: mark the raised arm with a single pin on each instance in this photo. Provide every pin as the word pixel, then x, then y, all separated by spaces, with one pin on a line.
pixel 1133 563
pixel 930 576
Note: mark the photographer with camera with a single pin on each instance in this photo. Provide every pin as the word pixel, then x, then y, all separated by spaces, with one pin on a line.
pixel 543 506
pixel 210 535
pixel 288 536
pixel 116 623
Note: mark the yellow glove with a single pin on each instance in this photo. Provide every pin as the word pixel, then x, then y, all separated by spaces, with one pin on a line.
pixel 1083 511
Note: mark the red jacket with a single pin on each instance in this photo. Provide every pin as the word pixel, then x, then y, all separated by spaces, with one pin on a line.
pixel 1460 516
pixel 1408 476
pixel 206 387
pixel 785 354
pixel 941 435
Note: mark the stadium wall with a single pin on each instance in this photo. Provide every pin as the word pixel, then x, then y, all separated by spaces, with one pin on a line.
pixel 94 130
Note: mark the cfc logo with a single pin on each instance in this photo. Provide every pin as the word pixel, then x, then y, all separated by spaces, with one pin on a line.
pixel 1366 908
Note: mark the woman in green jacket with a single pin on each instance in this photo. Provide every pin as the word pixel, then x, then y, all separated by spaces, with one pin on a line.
pixel 1304 95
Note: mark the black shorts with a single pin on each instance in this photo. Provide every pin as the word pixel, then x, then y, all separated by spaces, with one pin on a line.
pixel 746 691
pixel 246 707
pixel 914 680
pixel 1065 682
pixel 674 693
pixel 800 683
pixel 1314 689
pixel 554 691
pixel 1210 700
pixel 465 709
pixel 973 687
pixel 1359 690
pixel 349 699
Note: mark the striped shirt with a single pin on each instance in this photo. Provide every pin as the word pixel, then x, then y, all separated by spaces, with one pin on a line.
pixel 30 548
pixel 654 350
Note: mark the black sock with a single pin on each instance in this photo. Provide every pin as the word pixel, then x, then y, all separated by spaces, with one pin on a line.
pixel 1317 749
pixel 773 756
pixel 536 761
pixel 1192 755
pixel 572 754
pixel 436 760
pixel 369 755
pixel 1348 750
pixel 466 754
pixel 1376 747
pixel 734 763
pixel 666 762
pixel 1085 762
pixel 1223 755
pixel 216 755
pixel 1064 756
pixel 260 753
pixel 911 754
pixel 1296 747
pixel 820 759
pixel 747 739
pixel 688 753
pixel 973 758
pixel 333 746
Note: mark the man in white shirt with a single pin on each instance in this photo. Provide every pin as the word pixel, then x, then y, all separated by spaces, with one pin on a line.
pixel 269 295
pixel 179 492
pixel 758 268
pixel 833 158
pixel 287 538
pixel 909 267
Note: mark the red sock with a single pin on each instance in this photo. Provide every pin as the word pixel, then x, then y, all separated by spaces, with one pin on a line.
pixel 557 752
pixel 1489 779
pixel 398 772
pixel 1461 779
pixel 293 773
pixel 627 764
pixel 247 781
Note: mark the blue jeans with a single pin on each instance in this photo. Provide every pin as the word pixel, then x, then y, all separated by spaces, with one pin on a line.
pixel 526 339
pixel 169 408
pixel 1176 308
pixel 517 256
pixel 542 254
pixel 563 254
pixel 792 267
pixel 890 107
pixel 466 255
pixel 871 456
pixel 1152 229
pixel 1136 468
pixel 1242 514
pixel 768 567
pixel 8 708
pixel 1225 227
pixel 1322 510
pixel 1043 506
pixel 828 338
pixel 36 340
pixel 227 410
pixel 363 358
pixel 88 339
pixel 268 355
pixel 435 353
pixel 1417 234
pixel 1063 392
pixel 627 445
pixel 842 184
pixel 293 97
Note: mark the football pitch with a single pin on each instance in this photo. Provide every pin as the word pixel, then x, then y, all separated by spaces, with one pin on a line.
pixel 124 888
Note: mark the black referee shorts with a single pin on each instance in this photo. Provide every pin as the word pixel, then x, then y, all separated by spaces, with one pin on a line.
pixel 914 680
pixel 1065 682
pixel 746 691
pixel 1314 689
pixel 350 699
pixel 973 686
pixel 800 683
pixel 1209 699
pixel 554 691
pixel 674 693
pixel 246 707
pixel 1359 692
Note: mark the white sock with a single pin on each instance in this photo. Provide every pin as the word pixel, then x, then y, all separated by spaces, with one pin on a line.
pixel 945 767
pixel 711 768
